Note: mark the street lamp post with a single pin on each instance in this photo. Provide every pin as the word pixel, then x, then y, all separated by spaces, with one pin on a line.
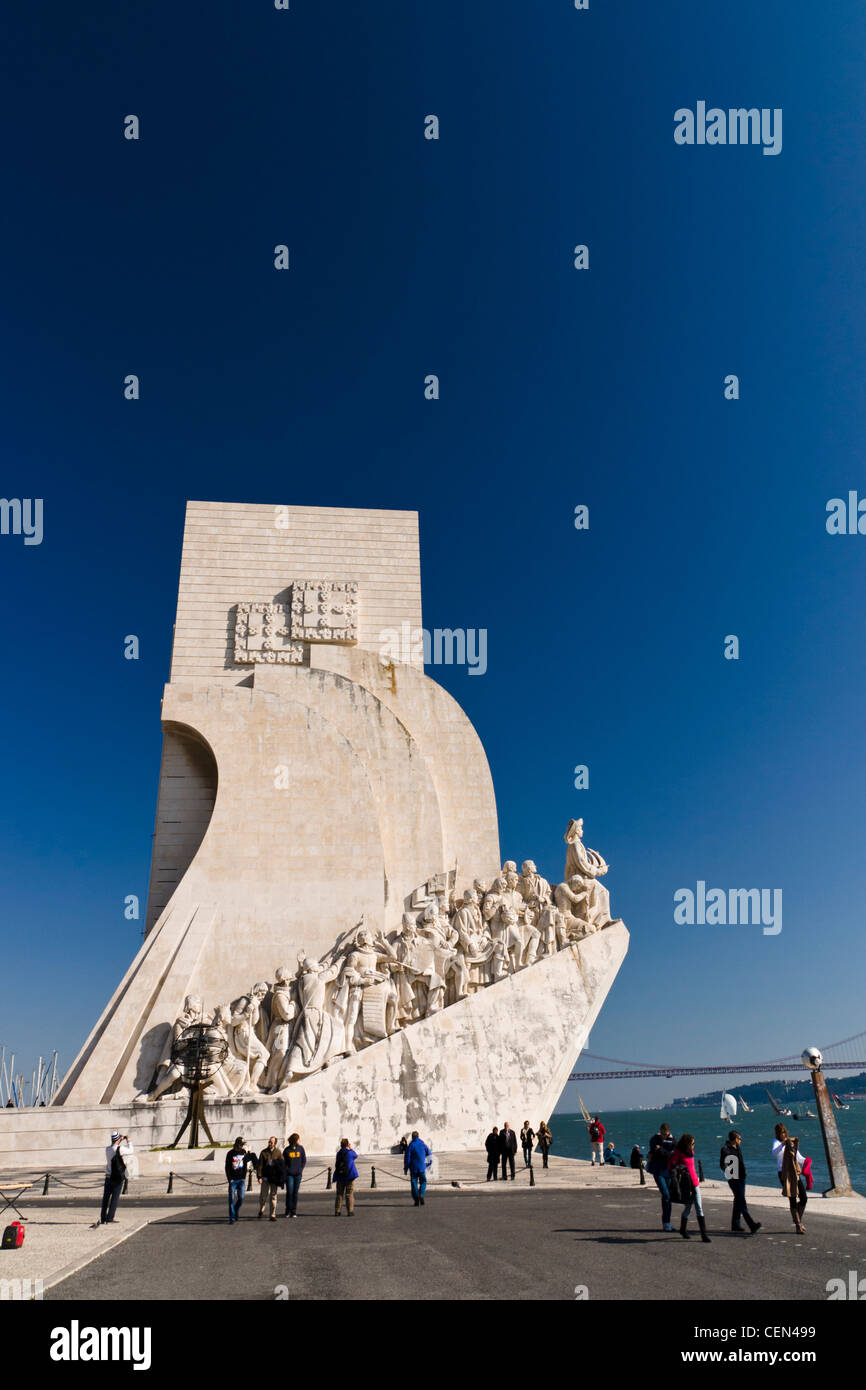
pixel 840 1178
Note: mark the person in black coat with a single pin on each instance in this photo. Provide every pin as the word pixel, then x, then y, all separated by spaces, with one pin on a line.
pixel 491 1144
pixel 507 1149
pixel 733 1166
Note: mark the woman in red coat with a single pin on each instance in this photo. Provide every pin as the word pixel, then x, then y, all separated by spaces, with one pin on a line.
pixel 684 1153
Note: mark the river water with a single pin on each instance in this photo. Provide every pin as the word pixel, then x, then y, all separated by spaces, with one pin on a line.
pixel 627 1127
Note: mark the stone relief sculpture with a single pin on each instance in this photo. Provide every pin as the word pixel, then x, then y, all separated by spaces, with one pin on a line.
pixel 447 946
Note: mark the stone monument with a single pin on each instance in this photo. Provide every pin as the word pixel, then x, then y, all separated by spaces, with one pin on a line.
pixel 326 885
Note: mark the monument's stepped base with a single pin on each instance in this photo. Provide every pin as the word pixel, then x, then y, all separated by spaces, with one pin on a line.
pixel 503 1054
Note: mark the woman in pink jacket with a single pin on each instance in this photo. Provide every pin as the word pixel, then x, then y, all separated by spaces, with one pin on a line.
pixel 684 1152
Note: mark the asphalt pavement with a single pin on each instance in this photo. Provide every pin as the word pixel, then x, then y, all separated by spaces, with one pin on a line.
pixel 550 1245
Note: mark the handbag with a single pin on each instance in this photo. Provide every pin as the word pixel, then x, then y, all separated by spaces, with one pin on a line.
pixel 680 1185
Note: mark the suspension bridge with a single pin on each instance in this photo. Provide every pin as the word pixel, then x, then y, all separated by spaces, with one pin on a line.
pixel 847 1055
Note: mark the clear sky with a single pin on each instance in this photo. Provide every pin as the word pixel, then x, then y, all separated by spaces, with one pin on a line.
pixel 559 387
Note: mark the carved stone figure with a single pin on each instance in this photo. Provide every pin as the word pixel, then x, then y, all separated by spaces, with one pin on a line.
pixel 232 1079
pixel 534 889
pixel 361 972
pixel 511 938
pixel 242 1039
pixel 168 1072
pixel 408 1003
pixel 549 924
pixel 314 1031
pixel 283 1011
pixel 260 992
pixel 571 899
pixel 589 866
pixel 475 946
pixel 512 896
pixel 493 901
pixel 531 937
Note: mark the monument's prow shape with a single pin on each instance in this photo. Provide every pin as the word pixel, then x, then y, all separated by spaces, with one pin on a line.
pixel 325 804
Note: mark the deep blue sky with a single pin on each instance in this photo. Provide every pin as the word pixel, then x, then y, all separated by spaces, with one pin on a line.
pixel 558 387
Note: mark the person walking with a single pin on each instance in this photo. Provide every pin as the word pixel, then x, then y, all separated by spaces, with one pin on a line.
pixel 294 1162
pixel 545 1139
pixel 684 1153
pixel 527 1138
pixel 271 1173
pixel 238 1161
pixel 596 1139
pixel 507 1149
pixel 789 1162
pixel 345 1177
pixel 491 1144
pixel 415 1164
pixel 115 1175
pixel 734 1168
pixel 661 1146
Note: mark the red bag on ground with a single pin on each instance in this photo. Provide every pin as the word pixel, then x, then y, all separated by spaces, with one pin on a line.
pixel 13 1236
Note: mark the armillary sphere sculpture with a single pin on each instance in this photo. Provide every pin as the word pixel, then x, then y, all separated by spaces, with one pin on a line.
pixel 199 1052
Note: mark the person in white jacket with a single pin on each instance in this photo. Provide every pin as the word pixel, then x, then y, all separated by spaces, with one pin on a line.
pixel 115 1173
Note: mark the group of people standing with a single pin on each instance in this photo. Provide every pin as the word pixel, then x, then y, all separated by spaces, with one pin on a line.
pixel 672 1165
pixel 274 1167
pixel 501 1146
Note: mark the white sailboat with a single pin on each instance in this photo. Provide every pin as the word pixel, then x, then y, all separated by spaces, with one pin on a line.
pixel 746 1109
pixel 729 1106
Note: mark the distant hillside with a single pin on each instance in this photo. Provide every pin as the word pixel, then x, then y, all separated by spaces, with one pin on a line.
pixel 755 1093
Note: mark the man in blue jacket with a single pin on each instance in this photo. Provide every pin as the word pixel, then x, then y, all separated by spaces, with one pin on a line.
pixel 415 1164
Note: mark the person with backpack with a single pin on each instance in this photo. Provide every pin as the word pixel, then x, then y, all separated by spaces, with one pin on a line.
pixel 661 1146
pixel 415 1164
pixel 507 1149
pixel 527 1138
pixel 238 1161
pixel 545 1139
pixel 734 1168
pixel 345 1176
pixel 491 1144
pixel 294 1161
pixel 683 1173
pixel 271 1173
pixel 115 1175
pixel 596 1139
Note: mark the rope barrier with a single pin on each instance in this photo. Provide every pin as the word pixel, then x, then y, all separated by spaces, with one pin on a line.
pixel 457 1180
